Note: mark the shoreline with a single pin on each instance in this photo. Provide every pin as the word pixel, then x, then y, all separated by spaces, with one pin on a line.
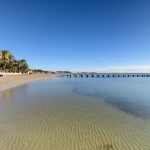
pixel 11 81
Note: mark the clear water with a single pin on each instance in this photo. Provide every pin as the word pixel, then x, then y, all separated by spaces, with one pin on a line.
pixel 131 95
pixel 76 114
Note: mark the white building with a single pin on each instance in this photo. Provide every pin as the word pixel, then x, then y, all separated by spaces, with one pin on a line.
pixel 0 54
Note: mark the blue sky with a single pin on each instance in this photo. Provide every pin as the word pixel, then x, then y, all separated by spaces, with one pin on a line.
pixel 77 35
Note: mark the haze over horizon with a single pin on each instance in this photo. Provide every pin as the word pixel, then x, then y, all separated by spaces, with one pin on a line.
pixel 78 35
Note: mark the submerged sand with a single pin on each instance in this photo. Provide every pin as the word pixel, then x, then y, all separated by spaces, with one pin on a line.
pixel 70 122
pixel 10 81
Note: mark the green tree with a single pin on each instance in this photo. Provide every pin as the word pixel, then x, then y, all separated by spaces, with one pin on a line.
pixel 8 62
pixel 5 58
pixel 22 66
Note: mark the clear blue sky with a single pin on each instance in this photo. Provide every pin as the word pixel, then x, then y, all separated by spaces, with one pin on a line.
pixel 77 34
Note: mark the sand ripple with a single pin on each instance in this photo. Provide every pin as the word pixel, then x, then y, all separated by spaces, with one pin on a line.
pixel 71 124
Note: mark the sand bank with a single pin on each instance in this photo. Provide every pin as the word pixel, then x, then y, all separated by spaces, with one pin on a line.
pixel 10 81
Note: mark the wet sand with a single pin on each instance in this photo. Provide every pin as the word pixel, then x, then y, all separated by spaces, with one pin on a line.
pixel 10 81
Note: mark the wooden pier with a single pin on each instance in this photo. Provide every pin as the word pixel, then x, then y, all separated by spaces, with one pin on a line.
pixel 107 75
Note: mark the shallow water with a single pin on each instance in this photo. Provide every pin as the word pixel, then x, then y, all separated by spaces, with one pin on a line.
pixel 76 114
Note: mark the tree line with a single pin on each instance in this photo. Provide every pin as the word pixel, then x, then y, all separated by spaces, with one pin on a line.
pixel 8 63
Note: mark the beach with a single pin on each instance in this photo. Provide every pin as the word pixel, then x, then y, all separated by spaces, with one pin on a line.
pixel 66 114
pixel 10 81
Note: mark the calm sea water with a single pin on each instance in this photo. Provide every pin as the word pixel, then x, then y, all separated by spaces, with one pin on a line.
pixel 131 95
pixel 76 114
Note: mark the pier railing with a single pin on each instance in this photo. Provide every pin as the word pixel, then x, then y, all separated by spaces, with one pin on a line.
pixel 106 75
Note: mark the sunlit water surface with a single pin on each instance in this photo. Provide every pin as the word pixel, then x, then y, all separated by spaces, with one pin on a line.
pixel 76 114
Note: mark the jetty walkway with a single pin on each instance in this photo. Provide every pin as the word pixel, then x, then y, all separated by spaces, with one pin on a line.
pixel 106 75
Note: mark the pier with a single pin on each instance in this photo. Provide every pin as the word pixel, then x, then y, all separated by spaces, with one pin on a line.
pixel 106 75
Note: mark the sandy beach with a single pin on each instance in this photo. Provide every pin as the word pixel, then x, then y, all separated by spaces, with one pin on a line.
pixel 10 81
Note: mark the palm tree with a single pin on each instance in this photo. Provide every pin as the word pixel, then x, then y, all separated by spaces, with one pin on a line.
pixel 15 65
pixel 11 63
pixel 22 66
pixel 7 62
pixel 5 58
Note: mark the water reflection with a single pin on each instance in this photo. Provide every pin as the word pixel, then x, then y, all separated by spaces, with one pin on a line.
pixel 128 95
pixel 6 96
